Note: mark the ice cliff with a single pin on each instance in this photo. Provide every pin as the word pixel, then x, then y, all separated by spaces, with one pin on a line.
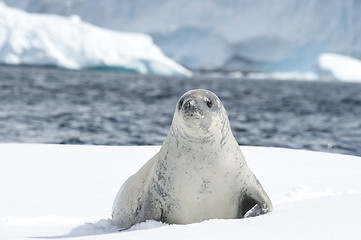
pixel 228 35
pixel 68 42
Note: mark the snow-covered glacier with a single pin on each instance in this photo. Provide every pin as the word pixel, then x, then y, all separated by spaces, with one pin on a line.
pixel 228 35
pixel 68 42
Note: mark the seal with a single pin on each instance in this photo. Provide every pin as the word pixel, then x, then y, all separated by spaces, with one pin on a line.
pixel 198 174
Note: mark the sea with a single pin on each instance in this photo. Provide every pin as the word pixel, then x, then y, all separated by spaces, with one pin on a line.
pixel 97 107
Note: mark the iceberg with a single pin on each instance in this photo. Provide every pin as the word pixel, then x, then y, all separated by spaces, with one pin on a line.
pixel 68 42
pixel 67 191
pixel 227 35
pixel 339 67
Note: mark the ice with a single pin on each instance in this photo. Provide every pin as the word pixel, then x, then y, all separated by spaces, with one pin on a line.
pixel 248 36
pixel 68 42
pixel 340 67
pixel 67 191
pixel 303 76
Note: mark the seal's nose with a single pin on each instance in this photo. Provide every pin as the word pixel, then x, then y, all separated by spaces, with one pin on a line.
pixel 191 109
pixel 189 105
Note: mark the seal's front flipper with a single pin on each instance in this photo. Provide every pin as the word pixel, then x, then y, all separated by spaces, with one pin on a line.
pixel 253 212
pixel 254 201
pixel 252 208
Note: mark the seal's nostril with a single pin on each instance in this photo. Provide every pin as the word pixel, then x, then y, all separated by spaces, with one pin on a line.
pixel 189 104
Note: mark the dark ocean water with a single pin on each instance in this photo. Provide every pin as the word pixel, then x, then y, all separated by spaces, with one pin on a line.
pixel 45 105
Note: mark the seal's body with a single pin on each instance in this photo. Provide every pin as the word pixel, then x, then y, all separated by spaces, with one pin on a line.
pixel 198 174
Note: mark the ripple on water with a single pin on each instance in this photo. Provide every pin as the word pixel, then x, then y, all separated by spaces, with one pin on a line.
pixel 47 105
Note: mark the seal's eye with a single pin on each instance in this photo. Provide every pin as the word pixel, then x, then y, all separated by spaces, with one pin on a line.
pixel 209 103
pixel 180 103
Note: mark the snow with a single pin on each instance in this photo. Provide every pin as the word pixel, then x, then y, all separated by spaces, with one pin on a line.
pixel 228 35
pixel 67 191
pixel 39 39
pixel 343 68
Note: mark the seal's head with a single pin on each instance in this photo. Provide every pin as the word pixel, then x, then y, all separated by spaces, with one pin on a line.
pixel 200 113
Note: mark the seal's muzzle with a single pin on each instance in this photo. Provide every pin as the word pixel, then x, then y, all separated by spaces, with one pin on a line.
pixel 191 109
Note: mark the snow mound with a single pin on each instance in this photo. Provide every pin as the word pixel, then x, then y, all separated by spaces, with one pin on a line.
pixel 149 224
pixel 61 192
pixel 339 67
pixel 94 228
pixel 39 39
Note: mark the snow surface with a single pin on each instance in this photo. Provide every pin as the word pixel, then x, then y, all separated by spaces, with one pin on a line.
pixel 242 35
pixel 343 68
pixel 39 39
pixel 67 191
